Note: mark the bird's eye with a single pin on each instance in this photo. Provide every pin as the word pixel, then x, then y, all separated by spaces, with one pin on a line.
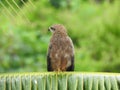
pixel 52 28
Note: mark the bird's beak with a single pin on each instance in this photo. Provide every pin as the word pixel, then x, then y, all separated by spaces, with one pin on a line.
pixel 49 29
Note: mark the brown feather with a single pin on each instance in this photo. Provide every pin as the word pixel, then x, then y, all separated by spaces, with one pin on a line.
pixel 60 50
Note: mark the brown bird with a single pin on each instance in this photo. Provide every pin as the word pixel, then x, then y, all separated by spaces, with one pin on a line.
pixel 60 56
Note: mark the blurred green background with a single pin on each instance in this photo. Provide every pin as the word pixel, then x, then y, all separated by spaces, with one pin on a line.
pixel 93 25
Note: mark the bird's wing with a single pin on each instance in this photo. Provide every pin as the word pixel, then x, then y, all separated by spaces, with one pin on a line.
pixel 49 68
pixel 70 43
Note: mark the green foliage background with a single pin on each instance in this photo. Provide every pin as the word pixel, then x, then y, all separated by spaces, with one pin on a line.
pixel 94 28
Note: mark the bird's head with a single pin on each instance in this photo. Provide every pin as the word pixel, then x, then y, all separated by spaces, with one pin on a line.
pixel 57 28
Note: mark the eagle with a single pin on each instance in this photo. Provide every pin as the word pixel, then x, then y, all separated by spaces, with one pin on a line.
pixel 60 55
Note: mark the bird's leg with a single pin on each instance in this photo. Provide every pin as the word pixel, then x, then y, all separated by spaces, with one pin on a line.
pixel 58 70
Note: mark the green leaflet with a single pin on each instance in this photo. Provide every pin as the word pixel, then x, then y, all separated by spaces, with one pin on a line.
pixel 2 83
pixel 60 81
